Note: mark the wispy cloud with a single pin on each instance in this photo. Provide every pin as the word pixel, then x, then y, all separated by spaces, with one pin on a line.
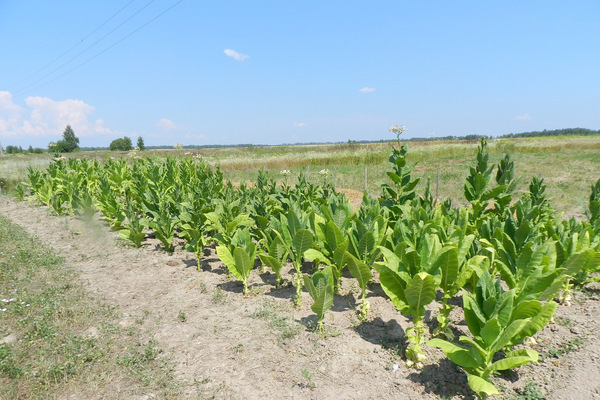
pixel 44 116
pixel 524 117
pixel 167 125
pixel 235 55
pixel 367 89
pixel 299 124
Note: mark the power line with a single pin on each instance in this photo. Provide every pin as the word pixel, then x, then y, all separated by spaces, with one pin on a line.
pixel 71 48
pixel 23 89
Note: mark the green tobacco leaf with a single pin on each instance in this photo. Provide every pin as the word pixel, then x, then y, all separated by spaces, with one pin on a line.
pixel 420 291
pixel 320 287
pixel 490 331
pixel 316 256
pixel 277 249
pixel 526 309
pixel 303 240
pixel 508 334
pixel 359 270
pixel 512 362
pixel 393 285
pixel 366 244
pixel 447 262
pixel 226 258
pixel 271 262
pixel 333 235
pixel 473 316
pixel 480 385
pixel 244 262
pixel 539 321
pixel 459 355
pixel 492 193
pixel 339 255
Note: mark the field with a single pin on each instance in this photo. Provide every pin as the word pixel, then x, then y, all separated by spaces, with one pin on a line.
pixel 108 320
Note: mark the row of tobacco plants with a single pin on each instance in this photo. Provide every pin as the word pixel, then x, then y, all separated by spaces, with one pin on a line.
pixel 510 258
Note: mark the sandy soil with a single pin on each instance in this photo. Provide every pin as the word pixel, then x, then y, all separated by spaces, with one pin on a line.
pixel 227 346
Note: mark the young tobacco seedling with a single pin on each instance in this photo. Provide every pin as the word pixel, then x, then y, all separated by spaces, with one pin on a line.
pixel 320 287
pixel 239 256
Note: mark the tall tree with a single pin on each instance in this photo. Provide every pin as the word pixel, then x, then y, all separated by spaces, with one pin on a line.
pixel 140 143
pixel 69 143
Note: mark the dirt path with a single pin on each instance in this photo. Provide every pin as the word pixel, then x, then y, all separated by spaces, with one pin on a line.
pixel 225 346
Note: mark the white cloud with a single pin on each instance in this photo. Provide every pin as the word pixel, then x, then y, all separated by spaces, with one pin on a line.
pixel 299 124
pixel 235 55
pixel 46 117
pixel 524 117
pixel 167 125
pixel 367 89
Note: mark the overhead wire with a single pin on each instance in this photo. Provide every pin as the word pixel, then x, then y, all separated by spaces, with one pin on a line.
pixel 72 47
pixel 101 52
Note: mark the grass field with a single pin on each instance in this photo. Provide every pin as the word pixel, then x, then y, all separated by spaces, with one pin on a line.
pixel 57 339
pixel 568 164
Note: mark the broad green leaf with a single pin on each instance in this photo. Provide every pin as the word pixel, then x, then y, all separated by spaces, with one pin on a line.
pixel 526 309
pixel 580 262
pixel 420 291
pixel 293 223
pixel 473 316
pixel 505 307
pixel 447 262
pixel 271 262
pixel 366 245
pixel 464 246
pixel 539 321
pixel 320 287
pixel 511 362
pixel 393 285
pixel 523 352
pixel 459 355
pixel 316 256
pixel 226 257
pixel 333 235
pixel 490 331
pixel 359 270
pixel 278 249
pixel 339 255
pixel 492 193
pixel 244 262
pixel 480 385
pixel 303 240
pixel 508 334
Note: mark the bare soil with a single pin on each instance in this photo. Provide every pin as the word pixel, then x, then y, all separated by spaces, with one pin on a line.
pixel 225 345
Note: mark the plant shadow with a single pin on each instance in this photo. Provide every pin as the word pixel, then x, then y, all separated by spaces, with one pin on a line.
pixel 444 379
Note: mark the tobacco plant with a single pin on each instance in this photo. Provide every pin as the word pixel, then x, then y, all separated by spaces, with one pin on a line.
pixel 320 287
pixel 239 256
pixel 496 322
pixel 410 295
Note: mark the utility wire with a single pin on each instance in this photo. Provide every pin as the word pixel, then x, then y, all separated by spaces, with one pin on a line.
pixel 93 44
pixel 19 91
pixel 72 47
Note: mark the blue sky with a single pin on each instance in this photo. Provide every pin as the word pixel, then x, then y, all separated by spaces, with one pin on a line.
pixel 271 72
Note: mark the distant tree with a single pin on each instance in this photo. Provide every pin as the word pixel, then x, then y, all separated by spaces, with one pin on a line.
pixel 122 144
pixel 13 150
pixel 69 143
pixel 140 143
pixel 30 149
pixel 127 143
